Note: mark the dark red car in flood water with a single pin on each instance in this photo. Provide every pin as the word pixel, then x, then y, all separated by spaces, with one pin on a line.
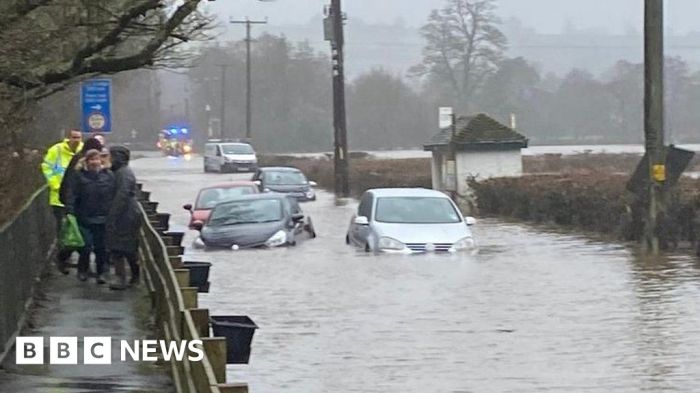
pixel 209 197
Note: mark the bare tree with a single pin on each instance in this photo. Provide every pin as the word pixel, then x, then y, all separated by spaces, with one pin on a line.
pixel 46 45
pixel 464 46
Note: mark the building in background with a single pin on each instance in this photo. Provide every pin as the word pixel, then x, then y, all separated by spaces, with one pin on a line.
pixel 483 148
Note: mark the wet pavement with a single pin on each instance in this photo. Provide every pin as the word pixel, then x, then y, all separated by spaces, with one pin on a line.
pixel 534 311
pixel 68 307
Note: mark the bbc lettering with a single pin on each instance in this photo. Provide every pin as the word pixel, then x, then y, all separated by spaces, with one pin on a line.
pixel 98 350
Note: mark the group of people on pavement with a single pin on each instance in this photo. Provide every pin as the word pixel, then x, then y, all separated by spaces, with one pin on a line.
pixel 96 185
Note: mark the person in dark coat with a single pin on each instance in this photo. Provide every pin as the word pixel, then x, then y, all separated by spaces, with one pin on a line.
pixel 66 187
pixel 89 199
pixel 124 220
pixel 69 175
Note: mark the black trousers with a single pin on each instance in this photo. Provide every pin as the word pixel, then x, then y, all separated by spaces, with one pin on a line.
pixel 59 213
pixel 117 258
pixel 94 236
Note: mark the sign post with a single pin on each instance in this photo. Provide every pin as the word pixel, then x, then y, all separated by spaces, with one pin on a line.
pixel 96 105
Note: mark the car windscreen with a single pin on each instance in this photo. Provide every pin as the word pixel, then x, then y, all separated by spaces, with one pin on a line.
pixel 416 210
pixel 246 212
pixel 210 197
pixel 281 178
pixel 237 149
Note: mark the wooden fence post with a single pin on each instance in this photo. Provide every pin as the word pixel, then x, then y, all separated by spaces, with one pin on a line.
pixel 189 297
pixel 183 277
pixel 215 347
pixel 200 316
pixel 233 388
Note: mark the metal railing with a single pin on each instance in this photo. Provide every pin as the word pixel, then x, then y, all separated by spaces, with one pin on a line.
pixel 176 310
pixel 26 245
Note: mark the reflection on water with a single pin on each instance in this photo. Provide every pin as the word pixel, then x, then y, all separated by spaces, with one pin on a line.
pixel 534 311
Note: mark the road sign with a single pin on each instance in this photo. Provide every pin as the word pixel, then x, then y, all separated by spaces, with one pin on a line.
pixel 677 161
pixel 96 105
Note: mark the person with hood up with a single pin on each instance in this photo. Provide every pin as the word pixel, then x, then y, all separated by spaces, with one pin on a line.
pixel 91 191
pixel 124 220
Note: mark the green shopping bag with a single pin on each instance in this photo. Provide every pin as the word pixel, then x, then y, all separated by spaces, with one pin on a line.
pixel 70 233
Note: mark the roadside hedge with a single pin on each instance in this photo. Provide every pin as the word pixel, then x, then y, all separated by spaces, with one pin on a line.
pixel 592 201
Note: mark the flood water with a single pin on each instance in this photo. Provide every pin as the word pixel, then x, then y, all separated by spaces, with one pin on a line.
pixel 529 151
pixel 533 311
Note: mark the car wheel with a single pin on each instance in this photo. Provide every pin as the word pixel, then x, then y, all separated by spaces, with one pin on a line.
pixel 347 240
pixel 367 249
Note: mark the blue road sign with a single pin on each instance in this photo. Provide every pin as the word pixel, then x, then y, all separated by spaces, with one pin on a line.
pixel 96 105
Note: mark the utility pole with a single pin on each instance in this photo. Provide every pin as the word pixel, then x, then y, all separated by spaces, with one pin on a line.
pixel 654 116
pixel 249 88
pixel 333 28
pixel 222 121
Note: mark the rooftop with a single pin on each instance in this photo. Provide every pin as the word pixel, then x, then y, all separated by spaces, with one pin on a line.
pixel 478 130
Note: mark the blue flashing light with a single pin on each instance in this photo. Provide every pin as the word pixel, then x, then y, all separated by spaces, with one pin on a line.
pixel 184 130
pixel 173 131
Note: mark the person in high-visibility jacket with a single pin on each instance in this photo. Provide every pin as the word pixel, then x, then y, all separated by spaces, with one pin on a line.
pixel 54 167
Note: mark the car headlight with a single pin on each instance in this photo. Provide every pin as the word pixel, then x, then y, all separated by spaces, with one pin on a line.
pixel 278 239
pixel 310 194
pixel 464 244
pixel 387 243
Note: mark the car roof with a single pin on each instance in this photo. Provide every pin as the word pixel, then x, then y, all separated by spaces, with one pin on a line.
pixel 279 169
pixel 232 184
pixel 267 195
pixel 221 142
pixel 406 192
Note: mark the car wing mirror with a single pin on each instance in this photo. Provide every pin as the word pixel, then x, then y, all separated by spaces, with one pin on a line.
pixel 361 220
pixel 257 183
pixel 198 225
pixel 470 221
pixel 187 207
pixel 296 217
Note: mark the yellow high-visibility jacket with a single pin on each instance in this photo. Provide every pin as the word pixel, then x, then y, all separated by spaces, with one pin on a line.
pixel 54 166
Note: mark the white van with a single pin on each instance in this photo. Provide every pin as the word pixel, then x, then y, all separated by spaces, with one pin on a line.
pixel 229 157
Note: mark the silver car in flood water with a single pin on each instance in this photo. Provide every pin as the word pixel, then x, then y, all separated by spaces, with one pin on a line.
pixel 409 220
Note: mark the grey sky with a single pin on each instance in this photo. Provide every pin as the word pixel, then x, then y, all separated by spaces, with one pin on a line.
pixel 547 16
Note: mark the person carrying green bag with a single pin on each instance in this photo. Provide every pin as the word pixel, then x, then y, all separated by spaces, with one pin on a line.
pixel 90 199
pixel 71 238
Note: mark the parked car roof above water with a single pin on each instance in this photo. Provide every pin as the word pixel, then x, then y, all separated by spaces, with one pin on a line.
pixel 406 192
pixel 279 169
pixel 231 184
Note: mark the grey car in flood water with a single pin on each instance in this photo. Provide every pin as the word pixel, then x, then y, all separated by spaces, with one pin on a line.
pixel 260 220
pixel 409 220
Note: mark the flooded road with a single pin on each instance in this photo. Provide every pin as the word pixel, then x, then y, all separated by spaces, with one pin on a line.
pixel 534 311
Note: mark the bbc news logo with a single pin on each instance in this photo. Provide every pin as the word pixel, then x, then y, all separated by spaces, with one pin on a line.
pixel 98 350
